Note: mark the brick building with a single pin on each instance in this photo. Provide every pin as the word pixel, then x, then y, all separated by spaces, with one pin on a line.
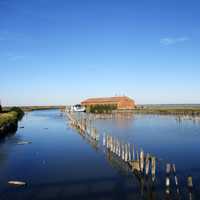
pixel 122 102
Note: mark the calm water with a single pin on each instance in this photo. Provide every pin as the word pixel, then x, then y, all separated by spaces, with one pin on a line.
pixel 62 164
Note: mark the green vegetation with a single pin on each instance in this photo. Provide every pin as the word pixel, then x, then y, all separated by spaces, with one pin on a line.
pixel 100 109
pixel 169 110
pixel 19 111
pixel 9 119
pixel 32 108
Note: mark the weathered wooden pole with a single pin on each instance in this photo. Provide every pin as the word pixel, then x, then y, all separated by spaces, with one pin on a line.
pixel 167 179
pixel 167 185
pixel 133 156
pixel 147 164
pixel 123 157
pixel 137 155
pixel 104 139
pixel 129 152
pixel 153 168
pixel 107 141
pixel 141 160
pixel 116 146
pixel 190 187
pixel 175 178
pixel 126 153
pixel 119 149
pixel 111 142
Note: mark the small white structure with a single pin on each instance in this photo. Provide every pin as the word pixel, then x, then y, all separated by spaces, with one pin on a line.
pixel 77 108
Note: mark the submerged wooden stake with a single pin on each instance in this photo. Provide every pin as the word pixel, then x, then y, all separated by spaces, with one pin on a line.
pixel 175 178
pixel 189 182
pixel 129 152
pixel 153 167
pixel 190 187
pixel 167 184
pixel 104 139
pixel 147 164
pixel 133 156
pixel 119 149
pixel 168 168
pixel 142 160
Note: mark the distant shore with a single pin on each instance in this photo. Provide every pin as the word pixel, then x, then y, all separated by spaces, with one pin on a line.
pixel 169 111
pixel 32 108
pixel 192 110
pixel 181 109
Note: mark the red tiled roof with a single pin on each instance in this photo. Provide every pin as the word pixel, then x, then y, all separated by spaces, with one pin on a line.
pixel 107 99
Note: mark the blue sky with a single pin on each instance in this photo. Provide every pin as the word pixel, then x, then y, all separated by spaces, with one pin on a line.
pixel 63 51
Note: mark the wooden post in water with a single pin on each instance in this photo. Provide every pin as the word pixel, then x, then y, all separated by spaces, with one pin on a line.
pixel 190 187
pixel 123 157
pixel 104 139
pixel 167 185
pixel 111 142
pixel 115 149
pixel 126 153
pixel 147 164
pixel 167 179
pixel 133 156
pixel 137 155
pixel 141 160
pixel 153 168
pixel 119 149
pixel 107 142
pixel 129 152
pixel 175 178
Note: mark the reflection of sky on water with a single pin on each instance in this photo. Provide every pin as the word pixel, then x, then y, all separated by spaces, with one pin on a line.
pixel 62 163
pixel 163 136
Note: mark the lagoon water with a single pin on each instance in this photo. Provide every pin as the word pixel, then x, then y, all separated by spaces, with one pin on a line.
pixel 62 164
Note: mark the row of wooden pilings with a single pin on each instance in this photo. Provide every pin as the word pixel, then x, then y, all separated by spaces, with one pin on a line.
pixel 141 164
pixel 84 125
pixel 138 161
pixel 144 165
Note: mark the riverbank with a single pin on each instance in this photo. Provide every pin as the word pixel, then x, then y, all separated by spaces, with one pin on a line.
pixel 169 110
pixel 9 120
pixel 32 108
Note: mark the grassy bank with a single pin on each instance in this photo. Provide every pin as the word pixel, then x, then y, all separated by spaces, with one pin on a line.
pixel 9 120
pixel 32 108
pixel 169 110
pixel 10 117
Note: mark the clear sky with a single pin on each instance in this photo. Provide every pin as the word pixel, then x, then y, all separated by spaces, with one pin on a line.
pixel 63 51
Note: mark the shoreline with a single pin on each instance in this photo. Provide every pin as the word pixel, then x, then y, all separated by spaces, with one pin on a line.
pixel 9 120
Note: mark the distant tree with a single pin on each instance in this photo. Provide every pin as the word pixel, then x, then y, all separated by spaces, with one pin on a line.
pixel 0 108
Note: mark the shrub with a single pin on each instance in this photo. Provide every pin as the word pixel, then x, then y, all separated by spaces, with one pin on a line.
pixel 99 109
pixel 19 111
pixel 10 117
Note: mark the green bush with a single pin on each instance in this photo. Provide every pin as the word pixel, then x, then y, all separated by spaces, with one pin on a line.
pixel 10 117
pixel 19 111
pixel 99 109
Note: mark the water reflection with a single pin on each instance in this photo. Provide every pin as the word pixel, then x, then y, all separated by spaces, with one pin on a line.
pixel 78 164
pixel 162 184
